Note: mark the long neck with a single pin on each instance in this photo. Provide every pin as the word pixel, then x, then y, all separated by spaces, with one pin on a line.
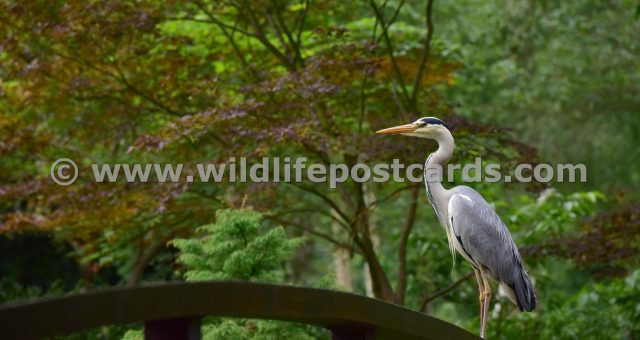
pixel 437 194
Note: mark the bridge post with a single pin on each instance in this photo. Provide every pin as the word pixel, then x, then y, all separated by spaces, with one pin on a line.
pixel 173 329
pixel 351 333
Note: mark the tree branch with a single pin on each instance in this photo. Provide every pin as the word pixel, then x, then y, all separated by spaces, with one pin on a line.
pixel 259 34
pixel 387 40
pixel 278 31
pixel 303 18
pixel 224 28
pixel 149 97
pixel 325 198
pixel 121 78
pixel 312 211
pixel 211 20
pixel 312 231
pixel 393 17
pixel 444 291
pixel 401 286
pixel 292 42
pixel 395 192
pixel 425 54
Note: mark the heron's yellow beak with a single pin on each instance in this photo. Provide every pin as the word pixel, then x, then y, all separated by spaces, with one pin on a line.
pixel 398 129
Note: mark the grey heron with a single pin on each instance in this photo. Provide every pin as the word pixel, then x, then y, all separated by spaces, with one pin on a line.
pixel 473 228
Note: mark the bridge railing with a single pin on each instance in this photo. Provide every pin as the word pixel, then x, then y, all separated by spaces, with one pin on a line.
pixel 174 310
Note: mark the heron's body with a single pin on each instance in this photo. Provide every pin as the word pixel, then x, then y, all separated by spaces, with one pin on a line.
pixel 473 228
pixel 471 223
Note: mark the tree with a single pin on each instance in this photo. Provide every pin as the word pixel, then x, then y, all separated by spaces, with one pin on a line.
pixel 238 247
pixel 224 80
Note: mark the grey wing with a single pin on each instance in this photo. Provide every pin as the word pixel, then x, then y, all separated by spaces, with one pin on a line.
pixel 486 240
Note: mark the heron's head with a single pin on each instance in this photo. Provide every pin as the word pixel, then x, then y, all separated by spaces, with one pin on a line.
pixel 427 127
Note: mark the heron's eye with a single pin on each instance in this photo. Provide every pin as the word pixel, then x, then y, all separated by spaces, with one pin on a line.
pixel 422 124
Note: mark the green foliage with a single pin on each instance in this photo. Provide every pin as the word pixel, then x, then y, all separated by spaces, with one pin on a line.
pixel 605 310
pixel 10 290
pixel 261 329
pixel 553 214
pixel 235 248
pixel 238 247
pixel 560 74
pixel 133 335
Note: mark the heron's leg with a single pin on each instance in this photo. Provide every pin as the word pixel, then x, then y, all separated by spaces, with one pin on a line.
pixel 481 295
pixel 487 297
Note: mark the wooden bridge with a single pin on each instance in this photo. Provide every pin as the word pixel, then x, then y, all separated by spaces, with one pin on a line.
pixel 173 311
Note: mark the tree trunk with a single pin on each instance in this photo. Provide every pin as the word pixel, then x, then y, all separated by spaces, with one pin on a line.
pixel 369 198
pixel 401 286
pixel 144 256
pixel 380 283
pixel 342 261
pixel 362 236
